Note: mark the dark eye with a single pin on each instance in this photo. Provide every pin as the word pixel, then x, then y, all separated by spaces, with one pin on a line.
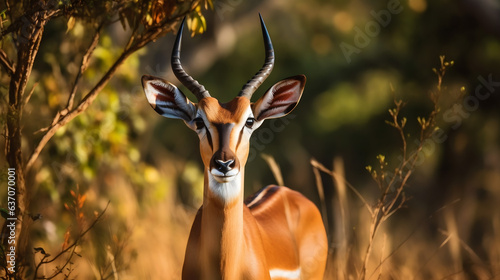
pixel 250 122
pixel 199 123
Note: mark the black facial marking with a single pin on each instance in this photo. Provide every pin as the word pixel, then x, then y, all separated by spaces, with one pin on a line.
pixel 224 134
pixel 209 137
pixel 199 123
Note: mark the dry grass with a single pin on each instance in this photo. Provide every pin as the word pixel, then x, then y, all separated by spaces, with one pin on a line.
pixel 374 236
pixel 367 244
pixel 151 240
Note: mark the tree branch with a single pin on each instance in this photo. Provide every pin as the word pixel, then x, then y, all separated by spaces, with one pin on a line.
pixel 83 66
pixel 71 247
pixel 63 117
pixel 61 120
pixel 6 63
pixel 49 9
pixel 28 46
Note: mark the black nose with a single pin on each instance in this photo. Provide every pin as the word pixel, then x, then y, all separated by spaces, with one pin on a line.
pixel 224 166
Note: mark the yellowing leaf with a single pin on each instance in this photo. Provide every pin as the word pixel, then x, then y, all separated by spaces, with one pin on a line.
pixel 381 158
pixel 70 24
pixel 196 22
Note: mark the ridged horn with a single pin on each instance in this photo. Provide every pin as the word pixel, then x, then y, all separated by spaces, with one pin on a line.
pixel 196 88
pixel 252 85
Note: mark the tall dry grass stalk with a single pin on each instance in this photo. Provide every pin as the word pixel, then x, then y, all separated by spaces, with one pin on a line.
pixel 275 169
pixel 342 225
pixel 374 261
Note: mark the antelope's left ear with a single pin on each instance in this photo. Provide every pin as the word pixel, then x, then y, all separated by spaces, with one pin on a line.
pixel 280 99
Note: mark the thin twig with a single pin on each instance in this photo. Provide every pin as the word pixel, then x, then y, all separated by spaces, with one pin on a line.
pixel 28 97
pixel 431 256
pixel 71 247
pixel 20 21
pixel 414 230
pixel 83 66
pixel 62 119
pixel 321 167
pixel 391 201
pixel 6 63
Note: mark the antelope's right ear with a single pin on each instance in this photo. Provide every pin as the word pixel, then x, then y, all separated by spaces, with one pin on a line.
pixel 167 100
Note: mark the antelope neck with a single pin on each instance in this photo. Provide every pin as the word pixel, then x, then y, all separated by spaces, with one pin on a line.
pixel 222 237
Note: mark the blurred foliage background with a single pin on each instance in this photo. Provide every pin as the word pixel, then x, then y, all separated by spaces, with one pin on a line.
pixel 358 56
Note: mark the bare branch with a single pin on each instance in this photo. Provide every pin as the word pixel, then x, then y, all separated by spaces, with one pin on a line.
pixel 48 10
pixel 28 97
pixel 63 117
pixel 71 247
pixel 83 66
pixel 6 63
pixel 61 120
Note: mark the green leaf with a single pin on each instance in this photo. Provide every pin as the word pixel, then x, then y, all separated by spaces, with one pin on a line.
pixel 5 213
pixel 3 14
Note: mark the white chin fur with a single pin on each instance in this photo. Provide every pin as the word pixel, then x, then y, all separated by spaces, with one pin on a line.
pixel 224 178
pixel 227 188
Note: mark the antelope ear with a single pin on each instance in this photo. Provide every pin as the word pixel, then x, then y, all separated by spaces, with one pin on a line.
pixel 280 99
pixel 167 100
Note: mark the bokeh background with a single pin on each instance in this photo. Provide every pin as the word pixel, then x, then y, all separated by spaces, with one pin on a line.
pixel 358 56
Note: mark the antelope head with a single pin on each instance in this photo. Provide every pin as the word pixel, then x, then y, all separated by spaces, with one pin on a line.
pixel 224 129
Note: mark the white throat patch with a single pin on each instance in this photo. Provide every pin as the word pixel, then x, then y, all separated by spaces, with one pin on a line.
pixel 285 274
pixel 227 191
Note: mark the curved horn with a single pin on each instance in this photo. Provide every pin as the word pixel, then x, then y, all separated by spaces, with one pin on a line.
pixel 182 76
pixel 251 86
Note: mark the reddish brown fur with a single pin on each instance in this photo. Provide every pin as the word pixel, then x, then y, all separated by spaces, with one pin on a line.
pixel 228 240
pixel 218 113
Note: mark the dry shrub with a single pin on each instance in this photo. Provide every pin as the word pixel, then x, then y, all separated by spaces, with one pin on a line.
pixel 364 245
